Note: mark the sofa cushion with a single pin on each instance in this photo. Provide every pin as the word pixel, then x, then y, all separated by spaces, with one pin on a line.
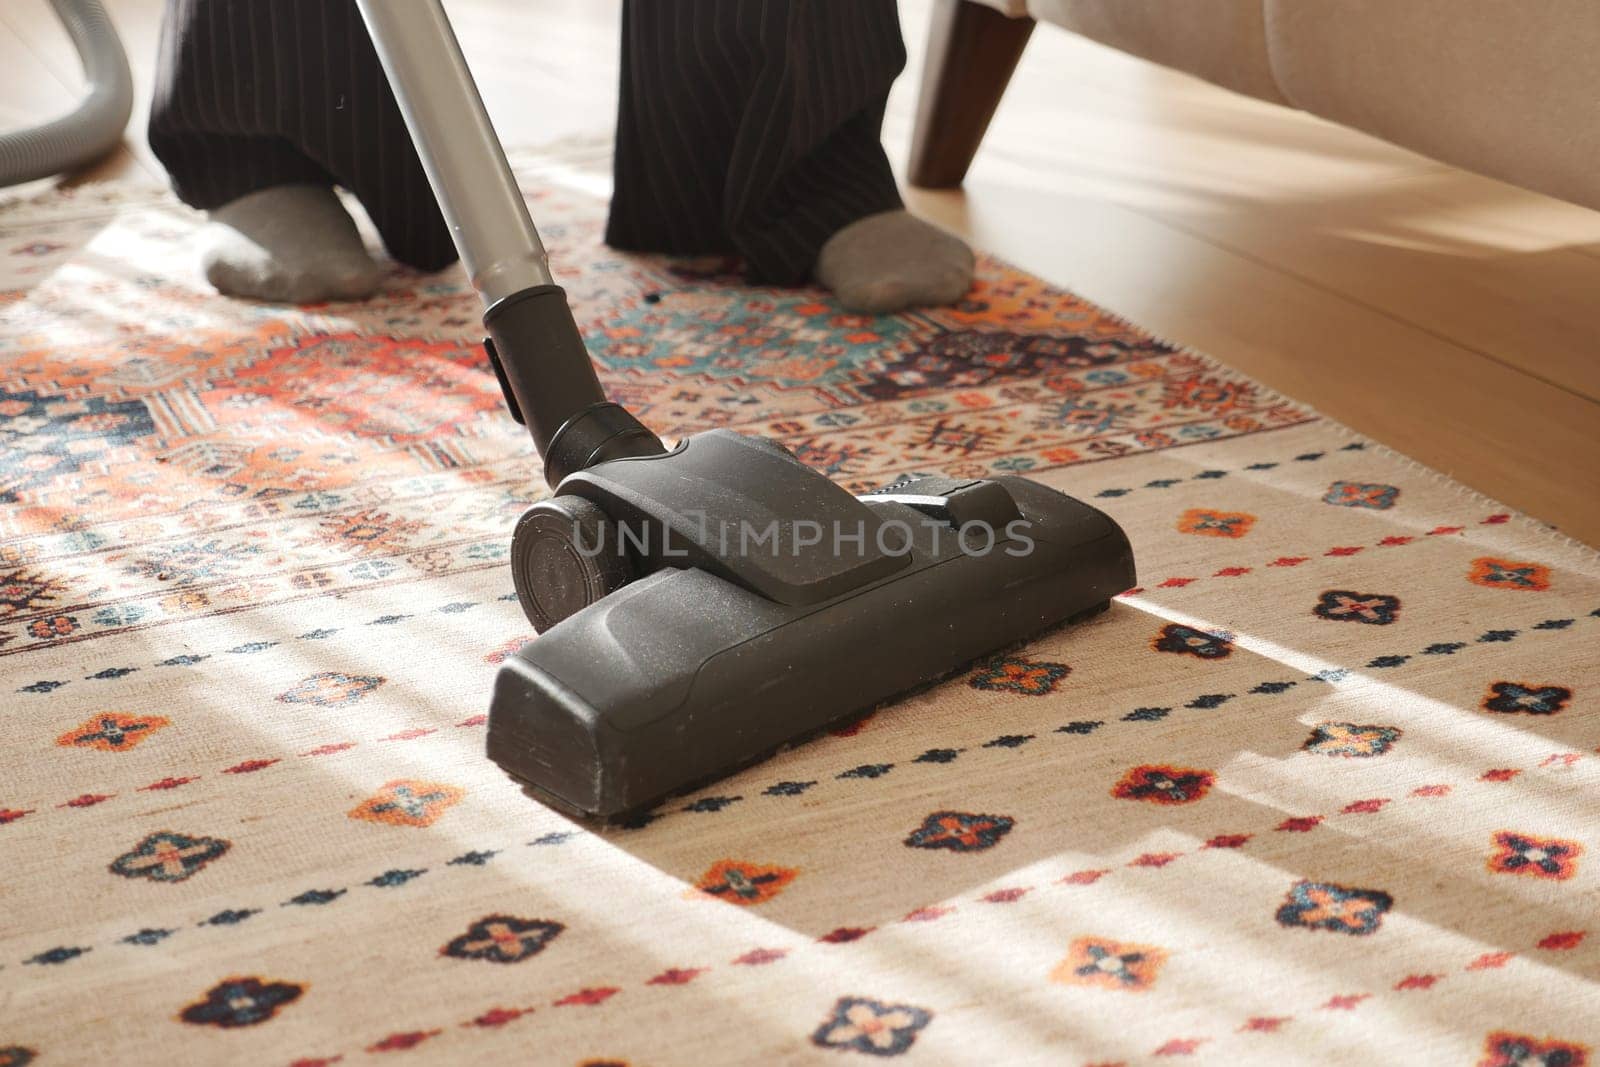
pixel 1222 41
pixel 1505 88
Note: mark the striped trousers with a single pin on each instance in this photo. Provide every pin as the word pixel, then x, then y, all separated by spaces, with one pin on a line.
pixel 744 127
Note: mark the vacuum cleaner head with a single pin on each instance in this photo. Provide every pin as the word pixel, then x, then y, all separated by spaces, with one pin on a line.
pixel 772 605
pixel 704 606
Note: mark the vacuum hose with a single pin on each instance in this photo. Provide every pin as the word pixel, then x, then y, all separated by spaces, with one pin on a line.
pixel 96 125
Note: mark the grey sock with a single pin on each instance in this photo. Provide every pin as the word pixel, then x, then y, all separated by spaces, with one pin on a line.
pixel 288 244
pixel 894 260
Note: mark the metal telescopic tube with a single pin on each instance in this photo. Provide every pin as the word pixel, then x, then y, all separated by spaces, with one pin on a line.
pixel 538 353
pixel 487 216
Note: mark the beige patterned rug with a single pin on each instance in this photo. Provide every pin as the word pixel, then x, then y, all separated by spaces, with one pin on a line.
pixel 1324 789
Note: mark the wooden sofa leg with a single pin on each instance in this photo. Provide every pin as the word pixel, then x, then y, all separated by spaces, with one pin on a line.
pixel 972 50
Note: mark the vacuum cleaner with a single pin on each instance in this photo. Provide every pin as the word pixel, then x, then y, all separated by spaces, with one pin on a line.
pixel 702 606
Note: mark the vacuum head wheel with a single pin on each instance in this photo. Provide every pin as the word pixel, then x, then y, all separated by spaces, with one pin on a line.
pixel 566 554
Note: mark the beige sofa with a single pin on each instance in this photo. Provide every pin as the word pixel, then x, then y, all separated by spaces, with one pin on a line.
pixel 1508 88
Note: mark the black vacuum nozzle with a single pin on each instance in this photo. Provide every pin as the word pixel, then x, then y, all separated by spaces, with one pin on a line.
pixel 749 601
pixel 772 604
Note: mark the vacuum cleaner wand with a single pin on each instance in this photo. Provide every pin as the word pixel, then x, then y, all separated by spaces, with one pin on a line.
pixel 533 343
pixel 701 608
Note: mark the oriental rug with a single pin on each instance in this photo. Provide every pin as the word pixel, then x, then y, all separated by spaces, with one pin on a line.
pixel 1323 789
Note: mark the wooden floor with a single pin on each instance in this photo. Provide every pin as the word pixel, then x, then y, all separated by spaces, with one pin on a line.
pixel 1452 317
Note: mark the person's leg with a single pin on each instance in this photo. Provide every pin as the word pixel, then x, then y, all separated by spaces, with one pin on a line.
pixel 754 128
pixel 677 117
pixel 259 109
